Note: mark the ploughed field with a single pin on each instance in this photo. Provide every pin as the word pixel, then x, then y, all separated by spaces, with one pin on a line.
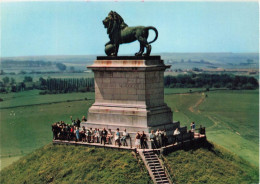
pixel 230 117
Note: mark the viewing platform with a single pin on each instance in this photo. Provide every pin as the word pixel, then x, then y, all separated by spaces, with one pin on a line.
pixel 183 140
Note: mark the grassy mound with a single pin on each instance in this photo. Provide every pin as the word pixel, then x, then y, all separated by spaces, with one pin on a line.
pixel 79 164
pixel 214 165
pixel 76 164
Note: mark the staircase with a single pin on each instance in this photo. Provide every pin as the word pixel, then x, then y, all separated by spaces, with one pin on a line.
pixel 154 167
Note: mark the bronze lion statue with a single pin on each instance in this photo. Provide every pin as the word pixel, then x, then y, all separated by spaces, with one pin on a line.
pixel 120 33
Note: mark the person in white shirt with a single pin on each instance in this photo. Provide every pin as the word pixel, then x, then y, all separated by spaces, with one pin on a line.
pixel 124 136
pixel 97 135
pixel 158 134
pixel 176 133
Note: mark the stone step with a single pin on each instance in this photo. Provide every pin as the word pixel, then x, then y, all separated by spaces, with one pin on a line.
pixel 156 170
pixel 153 161
pixel 160 175
pixel 154 158
pixel 154 164
pixel 148 152
pixel 161 179
pixel 164 181
pixel 150 156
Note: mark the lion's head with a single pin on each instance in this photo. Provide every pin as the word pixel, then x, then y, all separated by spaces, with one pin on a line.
pixel 114 21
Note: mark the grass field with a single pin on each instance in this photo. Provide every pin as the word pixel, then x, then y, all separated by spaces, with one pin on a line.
pixel 25 128
pixel 231 118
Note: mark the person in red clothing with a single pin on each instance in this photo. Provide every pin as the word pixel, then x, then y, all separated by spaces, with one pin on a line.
pixel 72 133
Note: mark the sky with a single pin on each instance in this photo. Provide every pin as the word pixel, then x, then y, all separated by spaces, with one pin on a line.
pixel 75 28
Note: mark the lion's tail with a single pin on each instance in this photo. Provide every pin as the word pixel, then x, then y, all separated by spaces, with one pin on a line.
pixel 156 33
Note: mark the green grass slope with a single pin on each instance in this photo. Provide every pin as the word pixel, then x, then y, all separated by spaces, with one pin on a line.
pixel 76 164
pixel 215 165
pixel 79 164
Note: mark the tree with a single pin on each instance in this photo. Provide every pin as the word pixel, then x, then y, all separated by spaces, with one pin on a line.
pixel 12 81
pixel 6 80
pixel 72 69
pixel 21 86
pixel 43 81
pixel 28 79
pixel 22 72
pixel 249 61
pixel 2 72
pixel 14 89
pixel 61 66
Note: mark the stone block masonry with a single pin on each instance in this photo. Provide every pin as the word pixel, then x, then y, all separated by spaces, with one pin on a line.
pixel 129 93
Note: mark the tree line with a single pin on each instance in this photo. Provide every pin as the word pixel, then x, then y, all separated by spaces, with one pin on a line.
pixel 66 85
pixel 47 86
pixel 210 81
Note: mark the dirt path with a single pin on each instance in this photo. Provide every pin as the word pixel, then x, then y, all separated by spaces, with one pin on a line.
pixel 191 108
pixel 216 123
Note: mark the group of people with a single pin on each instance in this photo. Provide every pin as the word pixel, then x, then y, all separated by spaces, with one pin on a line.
pixel 74 132
pixel 176 133
pixel 158 138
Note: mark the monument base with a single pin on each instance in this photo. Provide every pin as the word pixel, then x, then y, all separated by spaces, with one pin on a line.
pixel 129 94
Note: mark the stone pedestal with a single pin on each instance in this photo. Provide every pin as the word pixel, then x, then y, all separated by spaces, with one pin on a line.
pixel 129 93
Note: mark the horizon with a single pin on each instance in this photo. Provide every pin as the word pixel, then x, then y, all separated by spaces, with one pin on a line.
pixel 31 29
pixel 155 54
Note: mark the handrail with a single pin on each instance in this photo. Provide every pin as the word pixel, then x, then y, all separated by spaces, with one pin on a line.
pixel 157 172
pixel 161 159
pixel 165 168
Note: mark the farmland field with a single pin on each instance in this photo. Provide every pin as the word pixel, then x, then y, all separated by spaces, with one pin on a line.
pixel 230 117
pixel 20 77
pixel 26 118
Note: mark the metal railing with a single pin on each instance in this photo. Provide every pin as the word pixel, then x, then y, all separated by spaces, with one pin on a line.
pixel 165 169
pixel 155 171
pixel 161 159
